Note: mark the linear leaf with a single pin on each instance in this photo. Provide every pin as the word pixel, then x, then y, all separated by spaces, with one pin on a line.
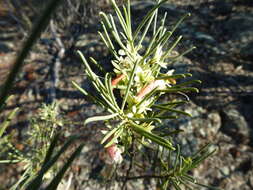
pixel 7 121
pixel 176 76
pixel 100 118
pixel 38 28
pixel 145 119
pixel 36 182
pixel 117 133
pixel 171 103
pixel 129 85
pixel 108 84
pixel 108 135
pixel 187 83
pixel 172 110
pixel 147 17
pixel 57 179
pixel 155 138
pixel 180 90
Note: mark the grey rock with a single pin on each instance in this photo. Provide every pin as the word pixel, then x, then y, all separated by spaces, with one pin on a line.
pixel 202 124
pixel 247 51
pixel 225 170
pixel 235 125
pixel 139 7
pixel 4 48
pixel 223 7
pixel 238 24
pixel 235 182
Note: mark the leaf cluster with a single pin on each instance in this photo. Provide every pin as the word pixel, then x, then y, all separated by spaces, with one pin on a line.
pixel 138 77
pixel 137 113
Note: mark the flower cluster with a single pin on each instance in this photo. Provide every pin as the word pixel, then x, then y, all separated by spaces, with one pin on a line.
pixel 138 78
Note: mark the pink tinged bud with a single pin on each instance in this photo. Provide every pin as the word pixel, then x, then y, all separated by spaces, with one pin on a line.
pixel 114 154
pixel 117 79
pixel 147 89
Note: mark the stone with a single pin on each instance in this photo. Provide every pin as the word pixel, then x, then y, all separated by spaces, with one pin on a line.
pixel 223 7
pixel 235 125
pixel 144 6
pixel 4 48
pixel 238 24
pixel 247 51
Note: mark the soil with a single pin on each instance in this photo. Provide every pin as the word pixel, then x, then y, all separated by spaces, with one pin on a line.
pixel 222 31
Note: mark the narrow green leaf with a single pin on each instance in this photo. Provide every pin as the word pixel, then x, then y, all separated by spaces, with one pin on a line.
pixel 177 187
pixel 36 182
pixel 24 179
pixel 129 19
pixel 100 118
pixel 153 39
pixel 118 133
pixel 187 83
pixel 145 31
pixel 180 21
pixel 176 76
pixel 98 84
pixel 180 90
pixel 7 121
pixel 120 16
pixel 146 18
pixel 175 165
pixel 57 179
pixel 97 65
pixel 50 150
pixel 172 110
pixel 127 22
pixel 171 48
pixel 207 186
pixel 171 103
pixel 171 133
pixel 80 88
pixel 35 34
pixel 189 178
pixel 96 99
pixel 185 184
pixel 108 84
pixel 129 85
pixel 145 119
pixel 173 59
pixel 197 161
pixel 166 116
pixel 155 138
pixel 108 135
pixel 9 161
pixel 108 42
pixel 202 150
pixel 157 43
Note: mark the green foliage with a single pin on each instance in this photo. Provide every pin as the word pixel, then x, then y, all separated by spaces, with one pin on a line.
pixel 7 121
pixel 131 122
pixel 50 161
pixel 138 77
pixel 42 152
pixel 41 130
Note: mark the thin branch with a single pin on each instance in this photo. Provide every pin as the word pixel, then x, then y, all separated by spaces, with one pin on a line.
pixel 131 164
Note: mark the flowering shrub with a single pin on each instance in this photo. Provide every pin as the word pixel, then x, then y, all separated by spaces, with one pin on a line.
pixel 138 77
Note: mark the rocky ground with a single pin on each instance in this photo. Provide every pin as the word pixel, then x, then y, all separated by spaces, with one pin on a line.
pixel 222 31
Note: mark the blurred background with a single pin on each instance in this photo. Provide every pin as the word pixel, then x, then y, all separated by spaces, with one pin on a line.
pixel 222 31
